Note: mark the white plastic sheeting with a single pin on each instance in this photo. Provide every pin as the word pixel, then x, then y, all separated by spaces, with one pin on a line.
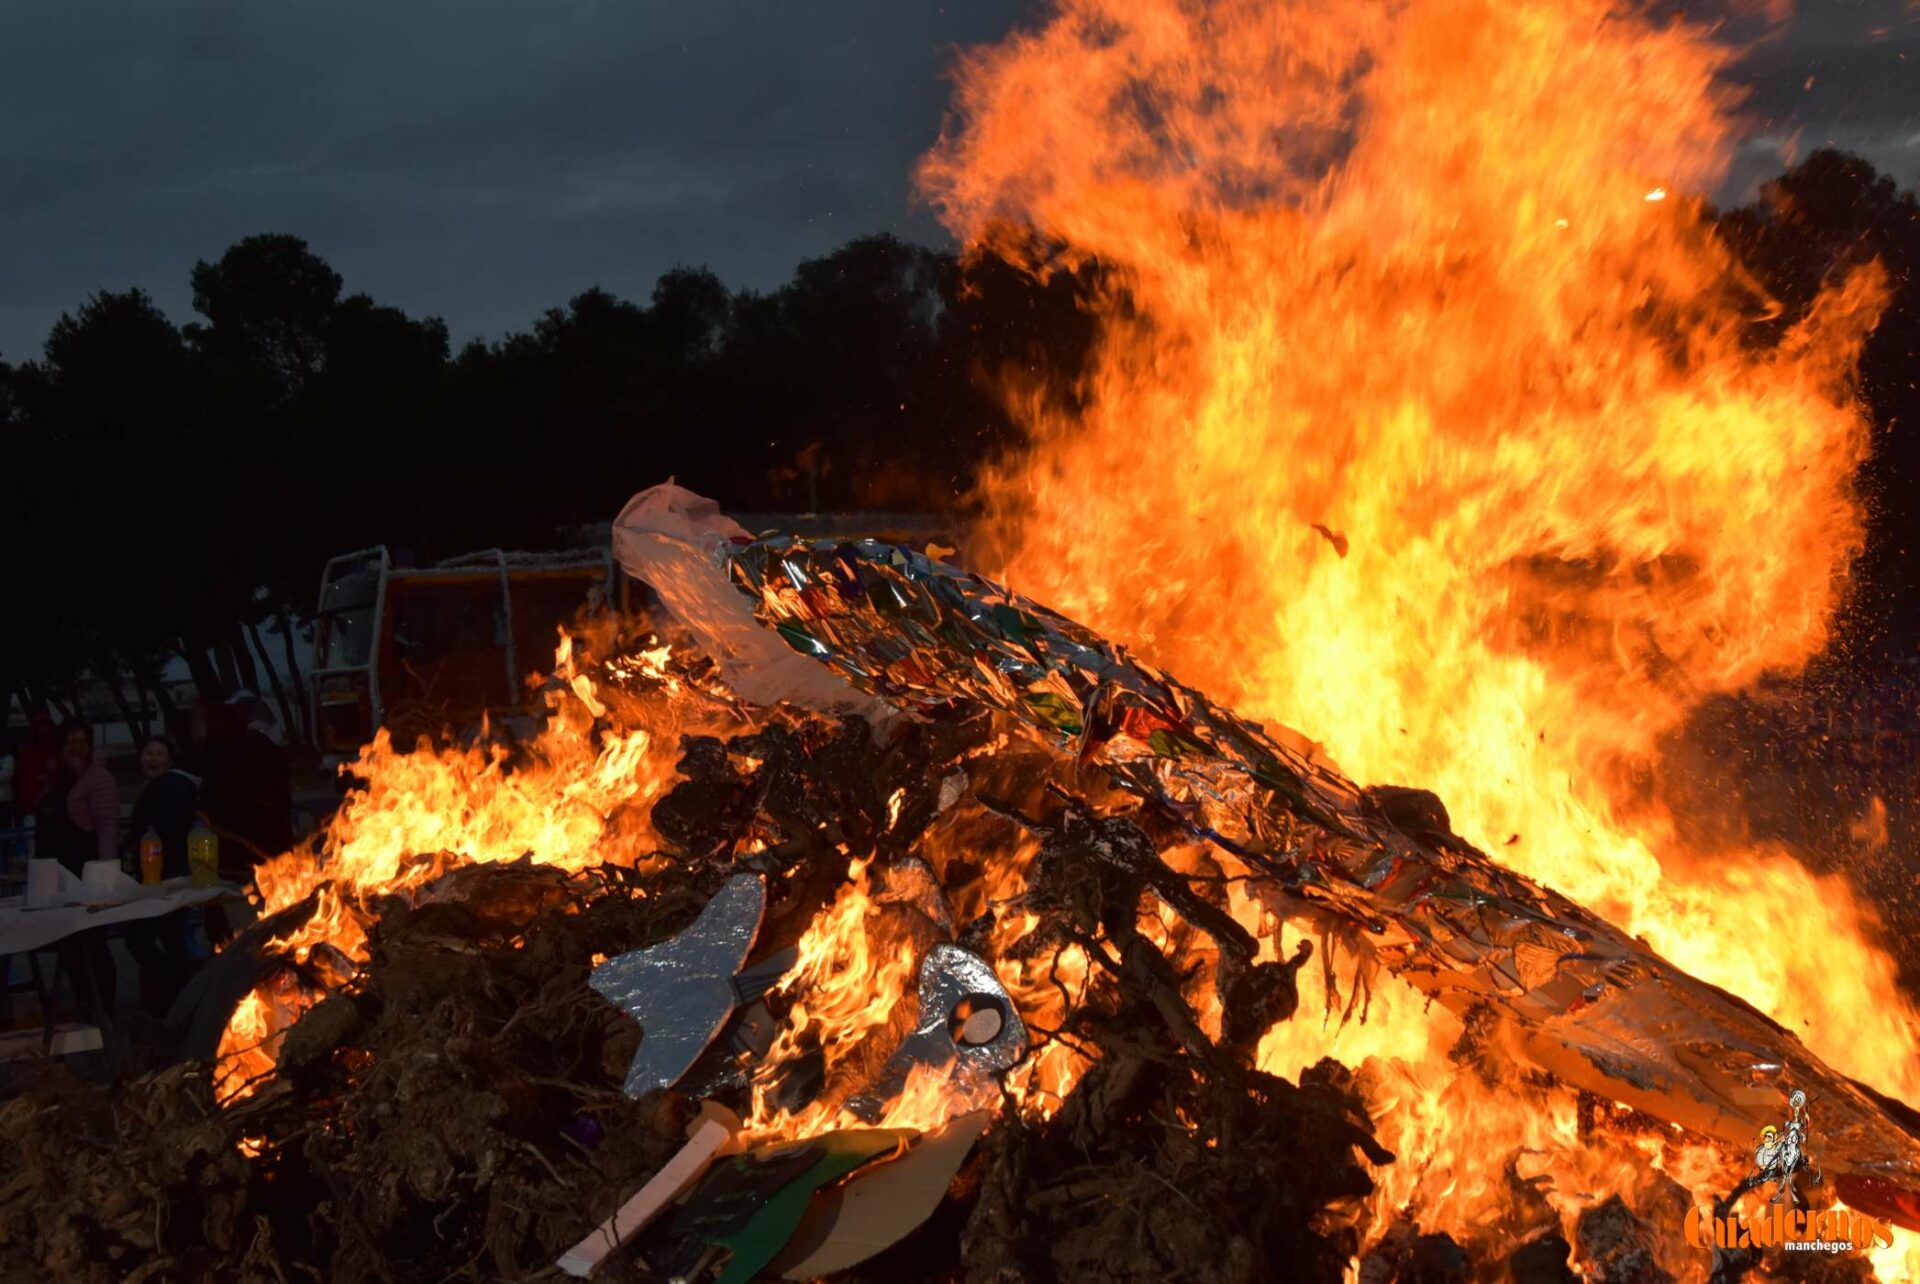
pixel 677 543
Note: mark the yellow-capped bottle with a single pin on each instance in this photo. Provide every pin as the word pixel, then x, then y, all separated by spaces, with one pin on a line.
pixel 203 855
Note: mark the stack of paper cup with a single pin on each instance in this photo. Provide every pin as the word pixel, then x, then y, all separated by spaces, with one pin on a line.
pixel 43 883
pixel 103 879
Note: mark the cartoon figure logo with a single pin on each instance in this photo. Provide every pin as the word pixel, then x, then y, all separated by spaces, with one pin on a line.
pixel 1782 1154
pixel 1781 1158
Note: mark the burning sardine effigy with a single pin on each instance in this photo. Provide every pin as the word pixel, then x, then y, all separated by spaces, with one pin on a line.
pixel 1578 997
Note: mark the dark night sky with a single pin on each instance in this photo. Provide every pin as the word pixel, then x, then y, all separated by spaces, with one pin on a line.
pixel 483 160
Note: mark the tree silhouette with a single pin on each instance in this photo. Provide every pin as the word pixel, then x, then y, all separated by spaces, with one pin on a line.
pixel 9 398
pixel 268 303
pixel 104 422
pixel 189 483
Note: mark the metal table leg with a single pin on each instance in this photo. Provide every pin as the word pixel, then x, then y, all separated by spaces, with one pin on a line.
pixel 47 997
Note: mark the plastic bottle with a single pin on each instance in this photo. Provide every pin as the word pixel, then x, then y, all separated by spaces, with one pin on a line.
pixel 152 857
pixel 203 855
pixel 196 936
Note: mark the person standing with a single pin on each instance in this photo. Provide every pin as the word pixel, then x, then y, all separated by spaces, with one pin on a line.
pixel 6 791
pixel 86 824
pixel 167 806
pixel 34 764
pixel 248 793
pixel 78 820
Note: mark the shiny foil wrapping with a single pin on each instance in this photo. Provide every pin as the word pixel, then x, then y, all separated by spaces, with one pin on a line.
pixel 682 990
pixel 949 976
pixel 1580 998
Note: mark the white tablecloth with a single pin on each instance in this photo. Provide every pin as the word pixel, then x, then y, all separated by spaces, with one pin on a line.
pixel 22 929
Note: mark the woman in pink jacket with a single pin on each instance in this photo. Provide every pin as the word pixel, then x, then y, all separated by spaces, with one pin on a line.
pixel 79 821
pixel 91 798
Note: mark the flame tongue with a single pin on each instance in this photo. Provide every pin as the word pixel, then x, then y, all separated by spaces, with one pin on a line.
pixel 1422 276
pixel 1391 271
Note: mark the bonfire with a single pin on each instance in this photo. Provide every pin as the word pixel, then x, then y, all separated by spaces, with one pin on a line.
pixel 1427 415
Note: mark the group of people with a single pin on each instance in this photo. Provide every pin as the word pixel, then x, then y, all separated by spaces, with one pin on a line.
pixel 244 798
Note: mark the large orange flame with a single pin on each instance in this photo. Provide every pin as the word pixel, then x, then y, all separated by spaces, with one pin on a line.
pixel 1426 416
pixel 581 794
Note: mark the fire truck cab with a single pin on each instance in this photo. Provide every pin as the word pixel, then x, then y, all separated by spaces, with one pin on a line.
pixel 415 649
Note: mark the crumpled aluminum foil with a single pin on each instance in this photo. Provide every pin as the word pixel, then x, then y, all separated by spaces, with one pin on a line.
pixel 682 990
pixel 949 975
pixel 1586 1002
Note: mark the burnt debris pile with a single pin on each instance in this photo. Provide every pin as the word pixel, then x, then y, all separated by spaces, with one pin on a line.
pixel 455 1109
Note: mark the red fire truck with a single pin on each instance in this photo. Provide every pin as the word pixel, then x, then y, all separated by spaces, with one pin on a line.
pixel 415 649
